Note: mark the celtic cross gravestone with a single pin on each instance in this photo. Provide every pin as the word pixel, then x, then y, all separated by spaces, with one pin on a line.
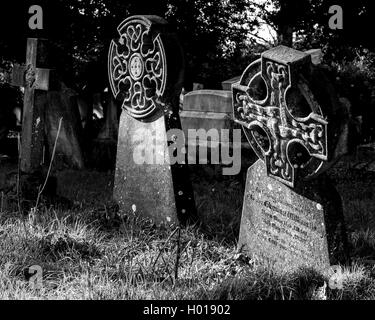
pixel 292 214
pixel 145 66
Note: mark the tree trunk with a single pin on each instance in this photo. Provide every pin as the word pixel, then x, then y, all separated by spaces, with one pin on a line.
pixel 285 23
pixel 285 35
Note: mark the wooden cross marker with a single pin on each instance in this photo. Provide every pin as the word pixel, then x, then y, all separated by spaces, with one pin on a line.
pixel 35 78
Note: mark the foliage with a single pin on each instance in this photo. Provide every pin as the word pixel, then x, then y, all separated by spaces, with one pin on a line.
pixel 219 37
pixel 348 52
pixel 212 34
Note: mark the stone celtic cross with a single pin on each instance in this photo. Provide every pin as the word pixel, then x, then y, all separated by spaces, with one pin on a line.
pixel 291 115
pixel 137 67
pixel 145 69
pixel 284 122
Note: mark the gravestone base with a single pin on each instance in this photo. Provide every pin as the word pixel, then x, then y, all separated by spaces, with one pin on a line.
pixel 155 189
pixel 287 229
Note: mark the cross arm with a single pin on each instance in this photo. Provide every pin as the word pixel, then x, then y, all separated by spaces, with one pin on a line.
pixel 37 78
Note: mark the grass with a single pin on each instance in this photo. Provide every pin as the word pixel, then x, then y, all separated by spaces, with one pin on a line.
pixel 81 259
pixel 91 251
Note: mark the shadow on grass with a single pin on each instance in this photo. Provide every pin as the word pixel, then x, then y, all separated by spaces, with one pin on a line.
pixel 264 285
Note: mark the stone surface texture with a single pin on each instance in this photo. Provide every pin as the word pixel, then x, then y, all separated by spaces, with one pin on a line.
pixel 292 228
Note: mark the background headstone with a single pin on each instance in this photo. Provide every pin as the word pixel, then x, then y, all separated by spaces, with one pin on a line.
pixel 146 73
pixel 207 109
pixel 61 104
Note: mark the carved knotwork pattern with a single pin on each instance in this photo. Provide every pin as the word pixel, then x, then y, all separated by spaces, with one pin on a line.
pixel 137 69
pixel 30 76
pixel 273 117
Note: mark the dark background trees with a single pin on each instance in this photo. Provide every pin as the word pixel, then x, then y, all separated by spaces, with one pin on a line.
pixel 218 37
pixel 214 34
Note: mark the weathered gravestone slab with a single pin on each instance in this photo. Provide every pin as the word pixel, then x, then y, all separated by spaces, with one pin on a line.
pixel 207 114
pixel 61 104
pixel 146 72
pixel 207 109
pixel 291 117
pixel 290 228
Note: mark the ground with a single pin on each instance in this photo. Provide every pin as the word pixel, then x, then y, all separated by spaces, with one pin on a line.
pixel 88 250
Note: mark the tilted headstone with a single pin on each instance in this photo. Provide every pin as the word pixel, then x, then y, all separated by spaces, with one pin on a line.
pixel 292 215
pixel 146 72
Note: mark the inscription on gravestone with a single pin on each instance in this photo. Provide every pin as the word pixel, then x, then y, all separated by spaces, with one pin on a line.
pixel 291 228
pixel 292 214
pixel 145 68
